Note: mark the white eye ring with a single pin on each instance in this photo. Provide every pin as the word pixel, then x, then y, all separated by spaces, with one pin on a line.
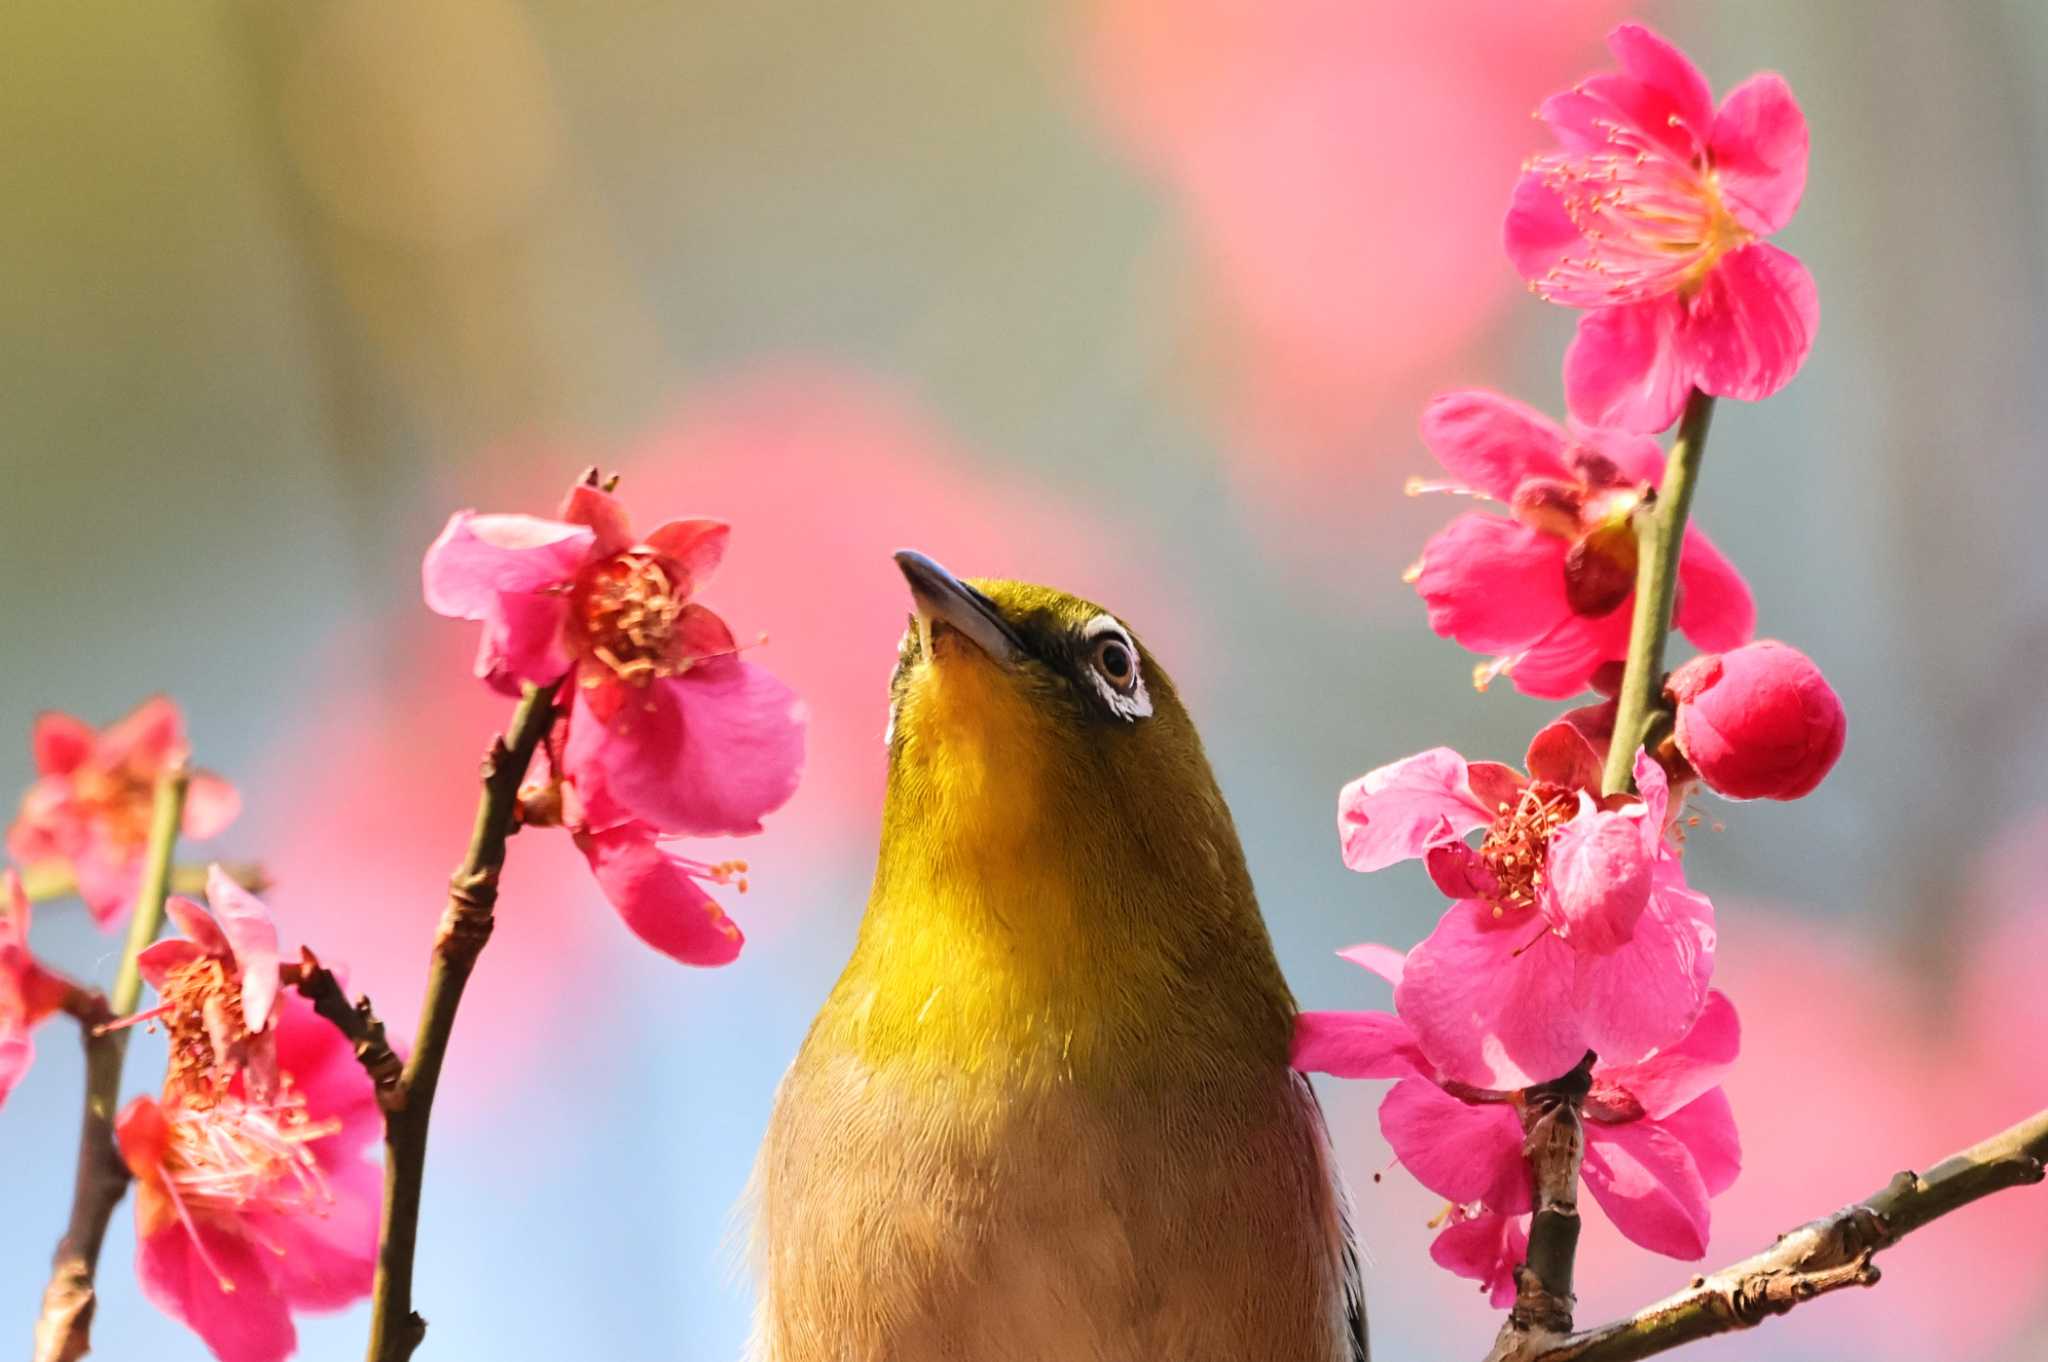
pixel 1128 699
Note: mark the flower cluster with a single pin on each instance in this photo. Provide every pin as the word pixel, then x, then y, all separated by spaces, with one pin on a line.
pixel 253 1198
pixel 1573 947
pixel 667 730
pixel 89 807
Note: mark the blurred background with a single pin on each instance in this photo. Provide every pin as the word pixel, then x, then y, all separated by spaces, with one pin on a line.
pixel 1135 298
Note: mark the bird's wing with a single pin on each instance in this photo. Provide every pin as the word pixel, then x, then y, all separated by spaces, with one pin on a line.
pixel 1354 1279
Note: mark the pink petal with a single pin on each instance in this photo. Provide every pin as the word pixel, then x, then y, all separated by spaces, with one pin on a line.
pixel 252 937
pixel 1486 1248
pixel 1759 146
pixel 210 805
pixel 1397 812
pixel 705 753
pixel 657 896
pixel 107 884
pixel 1384 961
pixel 248 1324
pixel 1561 664
pixel 1647 1183
pixel 1625 368
pixel 1539 233
pixel 603 513
pixel 1670 86
pixel 1653 787
pixel 1490 999
pixel 159 960
pixel 1571 749
pixel 197 924
pixel 696 546
pixel 1461 1151
pixel 1491 584
pixel 1356 1045
pixel 17 1053
pixel 1715 609
pixel 1706 1127
pixel 1679 1073
pixel 1492 442
pixel 1459 872
pixel 146 739
pixel 1752 323
pixel 479 558
pixel 60 743
pixel 521 642
pixel 1597 880
pixel 1648 994
pixel 327 1259
pixel 1639 458
pixel 324 1069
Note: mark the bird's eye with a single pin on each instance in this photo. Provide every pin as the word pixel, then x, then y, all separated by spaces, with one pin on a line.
pixel 1113 659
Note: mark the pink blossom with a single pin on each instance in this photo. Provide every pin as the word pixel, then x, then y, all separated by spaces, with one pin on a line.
pixel 28 992
pixel 1485 1246
pixel 1574 929
pixel 218 990
pixel 1660 1138
pixel 1651 215
pixel 249 1209
pixel 90 805
pixel 659 893
pixel 1760 722
pixel 669 726
pixel 1549 588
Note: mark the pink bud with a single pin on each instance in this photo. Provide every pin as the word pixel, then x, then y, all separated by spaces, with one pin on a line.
pixel 1760 722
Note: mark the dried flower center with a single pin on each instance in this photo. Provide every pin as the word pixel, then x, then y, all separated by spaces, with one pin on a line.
pixel 209 1036
pixel 628 611
pixel 1515 845
pixel 1653 221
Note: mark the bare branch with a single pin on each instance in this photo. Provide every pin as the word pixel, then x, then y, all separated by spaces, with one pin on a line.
pixel 358 1021
pixel 1825 1255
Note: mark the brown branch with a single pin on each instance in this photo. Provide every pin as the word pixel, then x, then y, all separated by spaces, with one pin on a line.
pixel 396 1328
pixel 1825 1255
pixel 64 1329
pixel 1554 1141
pixel 358 1021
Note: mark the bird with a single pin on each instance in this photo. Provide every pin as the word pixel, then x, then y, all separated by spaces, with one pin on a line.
pixel 1046 1113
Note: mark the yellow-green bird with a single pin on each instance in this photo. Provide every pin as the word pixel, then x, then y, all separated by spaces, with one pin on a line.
pixel 1046 1114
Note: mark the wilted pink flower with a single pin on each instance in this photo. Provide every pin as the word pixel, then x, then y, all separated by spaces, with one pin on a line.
pixel 250 1208
pixel 1652 214
pixel 668 725
pixel 28 992
pixel 1549 589
pixel 1574 929
pixel 90 805
pixel 1485 1246
pixel 217 987
pixel 1660 1139
pixel 1760 722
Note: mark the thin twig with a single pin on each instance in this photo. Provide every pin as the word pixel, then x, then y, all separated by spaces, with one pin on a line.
pixel 1660 533
pixel 64 1329
pixel 1813 1260
pixel 395 1328
pixel 1554 1142
pixel 48 880
pixel 356 1020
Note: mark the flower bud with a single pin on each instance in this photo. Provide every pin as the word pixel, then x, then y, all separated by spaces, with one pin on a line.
pixel 1760 722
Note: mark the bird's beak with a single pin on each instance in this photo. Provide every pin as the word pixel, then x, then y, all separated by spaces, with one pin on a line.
pixel 940 598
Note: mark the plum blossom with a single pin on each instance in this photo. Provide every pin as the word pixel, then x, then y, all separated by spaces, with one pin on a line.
pixel 1760 722
pixel 1651 214
pixel 1660 1138
pixel 217 987
pixel 90 804
pixel 28 992
pixel 668 725
pixel 249 1209
pixel 1548 589
pixel 1573 930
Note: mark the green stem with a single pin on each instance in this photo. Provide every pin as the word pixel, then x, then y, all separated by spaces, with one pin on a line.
pixel 64 1330
pixel 395 1328
pixel 1660 533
